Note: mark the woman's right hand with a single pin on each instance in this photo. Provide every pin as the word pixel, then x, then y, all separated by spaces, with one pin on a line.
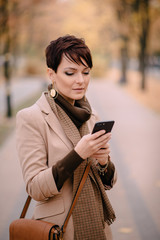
pixel 91 143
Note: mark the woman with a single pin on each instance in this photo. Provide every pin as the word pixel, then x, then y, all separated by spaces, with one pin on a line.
pixel 54 143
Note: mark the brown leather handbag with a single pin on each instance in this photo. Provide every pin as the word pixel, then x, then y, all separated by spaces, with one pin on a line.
pixel 29 229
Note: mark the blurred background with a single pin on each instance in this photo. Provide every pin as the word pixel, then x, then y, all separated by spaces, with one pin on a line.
pixel 124 38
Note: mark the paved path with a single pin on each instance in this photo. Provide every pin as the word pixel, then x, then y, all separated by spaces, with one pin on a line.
pixel 136 152
pixel 135 148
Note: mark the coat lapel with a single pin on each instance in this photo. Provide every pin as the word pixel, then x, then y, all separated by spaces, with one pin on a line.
pixel 52 120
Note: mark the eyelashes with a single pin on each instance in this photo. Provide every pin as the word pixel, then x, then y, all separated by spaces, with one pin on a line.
pixel 86 73
pixel 71 73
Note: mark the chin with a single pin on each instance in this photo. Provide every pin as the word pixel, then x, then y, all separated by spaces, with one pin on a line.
pixel 79 97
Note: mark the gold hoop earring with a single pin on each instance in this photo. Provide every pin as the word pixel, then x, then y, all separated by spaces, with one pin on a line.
pixel 53 92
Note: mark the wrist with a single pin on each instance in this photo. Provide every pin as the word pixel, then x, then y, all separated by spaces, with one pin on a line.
pixel 78 152
pixel 102 168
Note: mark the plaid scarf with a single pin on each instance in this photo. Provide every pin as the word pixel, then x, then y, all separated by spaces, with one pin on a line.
pixel 93 207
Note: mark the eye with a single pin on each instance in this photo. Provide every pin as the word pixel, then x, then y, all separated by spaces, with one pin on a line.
pixel 69 73
pixel 86 73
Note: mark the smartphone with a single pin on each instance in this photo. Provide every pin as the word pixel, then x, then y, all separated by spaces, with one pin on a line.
pixel 106 125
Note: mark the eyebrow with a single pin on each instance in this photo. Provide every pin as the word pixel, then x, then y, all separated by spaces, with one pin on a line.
pixel 71 68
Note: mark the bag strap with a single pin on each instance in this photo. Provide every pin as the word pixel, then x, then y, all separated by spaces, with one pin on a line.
pixel 25 208
pixel 79 189
pixel 84 177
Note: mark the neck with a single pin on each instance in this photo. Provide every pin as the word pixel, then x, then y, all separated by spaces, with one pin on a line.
pixel 71 101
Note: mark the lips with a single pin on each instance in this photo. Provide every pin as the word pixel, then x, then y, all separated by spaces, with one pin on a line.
pixel 78 89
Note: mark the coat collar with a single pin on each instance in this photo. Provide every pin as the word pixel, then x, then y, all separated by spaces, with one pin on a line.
pixel 52 119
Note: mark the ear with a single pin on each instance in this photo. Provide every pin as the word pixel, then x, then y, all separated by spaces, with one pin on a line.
pixel 50 73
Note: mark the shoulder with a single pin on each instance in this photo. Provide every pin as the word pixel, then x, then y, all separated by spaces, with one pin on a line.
pixel 28 110
pixel 95 115
pixel 93 119
pixel 35 111
pixel 32 115
pixel 28 113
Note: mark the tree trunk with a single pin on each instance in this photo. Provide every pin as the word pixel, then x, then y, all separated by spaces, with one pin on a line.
pixel 123 79
pixel 6 52
pixel 144 12
pixel 8 85
pixel 142 63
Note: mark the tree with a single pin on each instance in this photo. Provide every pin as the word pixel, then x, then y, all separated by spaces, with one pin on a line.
pixel 135 17
pixel 11 11
pixel 123 10
pixel 142 8
pixel 6 40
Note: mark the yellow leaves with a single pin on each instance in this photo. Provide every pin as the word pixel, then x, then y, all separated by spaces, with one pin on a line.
pixel 86 19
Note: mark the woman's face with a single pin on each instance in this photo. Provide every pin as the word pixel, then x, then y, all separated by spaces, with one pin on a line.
pixel 71 79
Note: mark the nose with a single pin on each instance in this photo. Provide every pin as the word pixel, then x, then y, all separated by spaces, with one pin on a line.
pixel 80 78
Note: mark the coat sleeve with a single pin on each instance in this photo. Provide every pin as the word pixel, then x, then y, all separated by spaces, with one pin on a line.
pixel 110 177
pixel 32 154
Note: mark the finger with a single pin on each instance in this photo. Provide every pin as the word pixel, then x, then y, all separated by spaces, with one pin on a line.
pixel 105 138
pixel 103 154
pixel 108 134
pixel 105 146
pixel 101 151
pixel 100 157
pixel 98 134
pixel 101 142
pixel 104 151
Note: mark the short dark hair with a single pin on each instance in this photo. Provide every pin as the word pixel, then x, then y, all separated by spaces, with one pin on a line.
pixel 74 48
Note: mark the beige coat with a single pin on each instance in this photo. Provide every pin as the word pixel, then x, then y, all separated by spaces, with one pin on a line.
pixel 41 142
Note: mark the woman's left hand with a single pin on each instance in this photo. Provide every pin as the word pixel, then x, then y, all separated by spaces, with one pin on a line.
pixel 102 154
